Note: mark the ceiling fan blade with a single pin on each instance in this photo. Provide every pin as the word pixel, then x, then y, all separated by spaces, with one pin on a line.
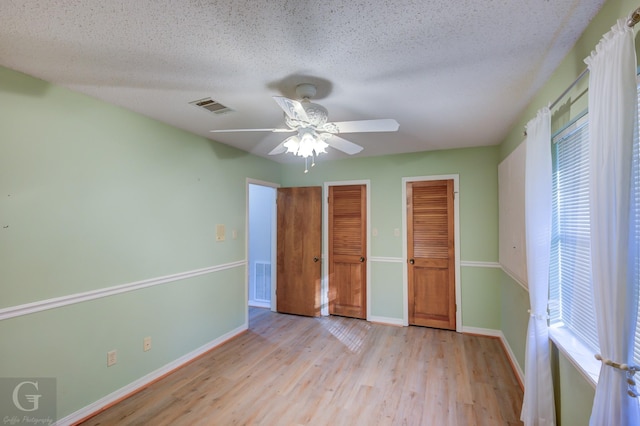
pixel 343 145
pixel 382 125
pixel 293 109
pixel 278 149
pixel 251 130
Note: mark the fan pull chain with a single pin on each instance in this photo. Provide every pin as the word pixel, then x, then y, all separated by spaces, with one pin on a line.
pixel 306 165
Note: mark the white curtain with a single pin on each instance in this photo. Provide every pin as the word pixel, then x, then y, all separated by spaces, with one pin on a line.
pixel 538 405
pixel 612 120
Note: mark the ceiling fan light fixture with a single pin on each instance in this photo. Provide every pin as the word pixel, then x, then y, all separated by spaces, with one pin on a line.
pixel 320 147
pixel 310 143
pixel 307 145
pixel 292 143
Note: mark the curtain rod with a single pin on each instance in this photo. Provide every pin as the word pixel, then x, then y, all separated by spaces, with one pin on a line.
pixel 632 20
pixel 576 81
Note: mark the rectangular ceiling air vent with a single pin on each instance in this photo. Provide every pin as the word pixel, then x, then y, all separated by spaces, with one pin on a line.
pixel 211 106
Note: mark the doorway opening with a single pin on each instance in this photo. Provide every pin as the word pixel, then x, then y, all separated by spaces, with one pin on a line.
pixel 261 243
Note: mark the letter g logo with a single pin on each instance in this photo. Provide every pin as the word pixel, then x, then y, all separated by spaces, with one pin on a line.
pixel 33 399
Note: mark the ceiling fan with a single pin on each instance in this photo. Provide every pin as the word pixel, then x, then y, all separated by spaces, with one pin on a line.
pixel 313 133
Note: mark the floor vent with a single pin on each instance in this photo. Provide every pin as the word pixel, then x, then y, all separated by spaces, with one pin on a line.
pixel 211 106
pixel 262 281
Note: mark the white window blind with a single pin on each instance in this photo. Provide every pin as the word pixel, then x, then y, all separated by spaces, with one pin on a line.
pixel 570 291
pixel 570 269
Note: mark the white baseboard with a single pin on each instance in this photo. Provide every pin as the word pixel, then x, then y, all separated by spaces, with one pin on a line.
pixel 146 380
pixel 512 357
pixel 499 334
pixel 388 321
pixel 482 331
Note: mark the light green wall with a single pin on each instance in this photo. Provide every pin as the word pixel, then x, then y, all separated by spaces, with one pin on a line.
pixel 94 196
pixel 573 398
pixel 515 315
pixel 387 289
pixel 481 297
pixel 477 169
pixel 574 394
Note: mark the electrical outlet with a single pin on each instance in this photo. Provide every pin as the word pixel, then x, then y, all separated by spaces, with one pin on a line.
pixel 146 344
pixel 112 357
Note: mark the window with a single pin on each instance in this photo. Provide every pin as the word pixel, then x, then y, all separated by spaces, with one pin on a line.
pixel 571 296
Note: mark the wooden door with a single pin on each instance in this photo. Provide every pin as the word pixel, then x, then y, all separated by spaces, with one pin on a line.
pixel 431 267
pixel 348 251
pixel 299 248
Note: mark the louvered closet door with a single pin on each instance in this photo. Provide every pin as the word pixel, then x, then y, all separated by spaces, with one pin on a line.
pixel 431 254
pixel 347 251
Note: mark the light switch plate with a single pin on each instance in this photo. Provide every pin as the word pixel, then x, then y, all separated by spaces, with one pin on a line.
pixel 220 232
pixel 112 358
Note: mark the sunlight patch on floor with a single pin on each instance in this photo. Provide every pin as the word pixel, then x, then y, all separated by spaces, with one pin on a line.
pixel 350 333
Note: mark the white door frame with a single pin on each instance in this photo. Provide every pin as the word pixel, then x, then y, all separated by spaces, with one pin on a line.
pixel 456 231
pixel 274 221
pixel 324 289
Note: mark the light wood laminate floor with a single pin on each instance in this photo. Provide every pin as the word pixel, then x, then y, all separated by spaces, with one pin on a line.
pixel 291 370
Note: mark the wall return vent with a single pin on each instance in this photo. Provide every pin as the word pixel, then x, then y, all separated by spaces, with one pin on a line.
pixel 211 106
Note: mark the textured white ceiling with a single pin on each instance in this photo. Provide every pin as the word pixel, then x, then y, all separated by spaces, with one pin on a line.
pixel 452 73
